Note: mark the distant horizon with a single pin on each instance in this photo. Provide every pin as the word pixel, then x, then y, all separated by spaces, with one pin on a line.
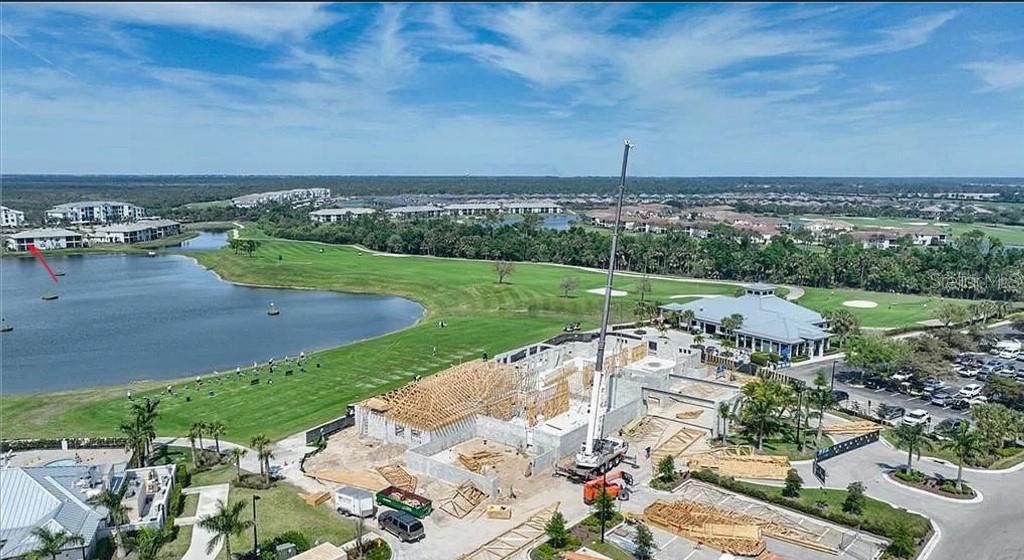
pixel 524 176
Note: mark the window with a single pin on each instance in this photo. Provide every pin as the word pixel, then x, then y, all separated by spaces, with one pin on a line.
pixel 399 430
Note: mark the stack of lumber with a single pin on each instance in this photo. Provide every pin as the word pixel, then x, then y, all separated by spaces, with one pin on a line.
pixel 477 460
pixel 853 428
pixel 741 462
pixel 316 498
pixel 717 529
pixel 676 445
pixel 512 542
pixel 465 499
pixel 365 479
pixel 397 476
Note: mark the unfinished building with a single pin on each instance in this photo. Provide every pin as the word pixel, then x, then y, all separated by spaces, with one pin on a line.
pixel 492 422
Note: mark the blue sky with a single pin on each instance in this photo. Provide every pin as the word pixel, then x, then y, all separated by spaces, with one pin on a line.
pixel 513 89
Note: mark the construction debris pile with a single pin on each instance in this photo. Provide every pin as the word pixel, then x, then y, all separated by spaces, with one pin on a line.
pixel 723 531
pixel 478 460
pixel 740 461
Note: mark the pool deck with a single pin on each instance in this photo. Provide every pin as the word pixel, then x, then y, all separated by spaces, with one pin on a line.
pixel 42 457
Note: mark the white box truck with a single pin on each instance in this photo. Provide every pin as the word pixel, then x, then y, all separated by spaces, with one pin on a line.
pixel 355 502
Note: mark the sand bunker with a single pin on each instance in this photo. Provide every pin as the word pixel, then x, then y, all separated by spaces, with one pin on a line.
pixel 600 292
pixel 860 304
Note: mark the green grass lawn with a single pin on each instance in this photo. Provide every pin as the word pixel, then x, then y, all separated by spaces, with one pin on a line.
pixel 482 316
pixel 279 509
pixel 785 445
pixel 879 511
pixel 1009 235
pixel 894 310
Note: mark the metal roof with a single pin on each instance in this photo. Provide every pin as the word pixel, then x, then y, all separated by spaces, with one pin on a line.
pixel 45 232
pixel 52 497
pixel 767 317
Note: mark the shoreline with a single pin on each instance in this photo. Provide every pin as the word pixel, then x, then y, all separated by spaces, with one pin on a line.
pixel 151 383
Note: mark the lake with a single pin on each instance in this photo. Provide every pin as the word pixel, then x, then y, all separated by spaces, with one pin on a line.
pixel 122 318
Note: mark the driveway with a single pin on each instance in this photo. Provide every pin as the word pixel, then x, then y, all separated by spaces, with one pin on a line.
pixel 208 498
pixel 986 530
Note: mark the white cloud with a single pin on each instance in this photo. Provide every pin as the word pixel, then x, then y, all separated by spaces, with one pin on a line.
pixel 911 34
pixel 999 75
pixel 262 22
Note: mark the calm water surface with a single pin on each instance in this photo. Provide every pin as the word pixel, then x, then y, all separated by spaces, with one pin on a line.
pixel 128 317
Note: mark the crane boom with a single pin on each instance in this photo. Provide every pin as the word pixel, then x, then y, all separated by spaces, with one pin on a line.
pixel 595 422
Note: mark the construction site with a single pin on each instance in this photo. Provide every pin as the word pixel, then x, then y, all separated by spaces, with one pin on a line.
pixel 502 444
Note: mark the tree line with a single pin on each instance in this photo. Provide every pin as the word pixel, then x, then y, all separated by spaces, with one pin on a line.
pixel 971 266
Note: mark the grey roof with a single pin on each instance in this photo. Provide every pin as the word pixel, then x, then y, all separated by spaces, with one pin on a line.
pixel 88 203
pixel 414 209
pixel 342 211
pixel 159 222
pixel 760 286
pixel 52 497
pixel 45 232
pixel 768 317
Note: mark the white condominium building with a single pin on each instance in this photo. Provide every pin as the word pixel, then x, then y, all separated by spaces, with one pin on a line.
pixel 95 212
pixel 10 217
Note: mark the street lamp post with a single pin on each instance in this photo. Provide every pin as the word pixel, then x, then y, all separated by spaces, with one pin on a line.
pixel 799 417
pixel 255 538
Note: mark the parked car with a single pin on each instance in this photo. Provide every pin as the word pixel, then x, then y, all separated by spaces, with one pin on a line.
pixel 402 525
pixel 840 396
pixel 917 416
pixel 969 391
pixel 901 377
pixel 948 426
pixel 960 404
pixel 876 383
pixel 941 398
pixel 908 388
pixel 967 371
pixel 892 415
pixel 931 385
pixel 980 399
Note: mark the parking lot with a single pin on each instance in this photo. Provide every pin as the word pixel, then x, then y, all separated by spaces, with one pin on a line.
pixel 867 400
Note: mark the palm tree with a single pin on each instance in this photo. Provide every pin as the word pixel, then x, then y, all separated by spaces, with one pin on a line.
pixel 116 512
pixel 822 398
pixel 195 432
pixel 147 543
pixel 136 441
pixel 236 455
pixel 766 399
pixel 203 427
pixel 724 414
pixel 226 522
pixel 217 429
pixel 145 414
pixel 51 543
pixel 688 317
pixel 963 442
pixel 261 444
pixel 912 438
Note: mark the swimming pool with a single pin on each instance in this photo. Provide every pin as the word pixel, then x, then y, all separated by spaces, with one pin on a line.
pixel 61 463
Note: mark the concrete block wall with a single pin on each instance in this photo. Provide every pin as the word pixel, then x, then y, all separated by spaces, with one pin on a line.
pixel 419 460
pixel 506 433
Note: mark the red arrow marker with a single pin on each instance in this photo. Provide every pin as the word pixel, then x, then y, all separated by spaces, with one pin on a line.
pixel 32 249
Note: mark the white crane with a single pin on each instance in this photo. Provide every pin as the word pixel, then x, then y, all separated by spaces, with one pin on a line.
pixel 598 453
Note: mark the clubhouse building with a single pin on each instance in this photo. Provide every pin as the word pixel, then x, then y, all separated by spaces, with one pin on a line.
pixel 770 323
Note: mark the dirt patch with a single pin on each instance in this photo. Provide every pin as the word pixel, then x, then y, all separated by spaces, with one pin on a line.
pixel 350 451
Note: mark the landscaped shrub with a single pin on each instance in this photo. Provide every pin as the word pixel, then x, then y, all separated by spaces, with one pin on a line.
pixel 253 481
pixel 775 357
pixel 759 358
pixel 912 476
pixel 949 487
